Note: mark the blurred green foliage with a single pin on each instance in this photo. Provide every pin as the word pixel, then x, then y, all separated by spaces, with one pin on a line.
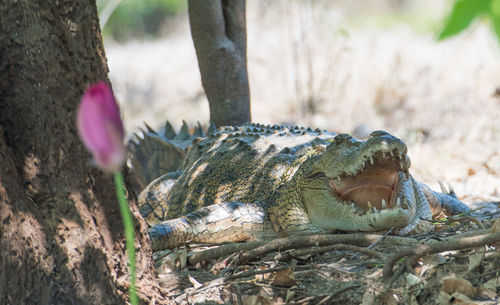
pixel 465 11
pixel 139 18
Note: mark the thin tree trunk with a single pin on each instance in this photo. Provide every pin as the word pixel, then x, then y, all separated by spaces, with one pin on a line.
pixel 61 234
pixel 218 28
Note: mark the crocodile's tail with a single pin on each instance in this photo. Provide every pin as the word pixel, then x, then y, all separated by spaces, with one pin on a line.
pixel 156 153
pixel 446 202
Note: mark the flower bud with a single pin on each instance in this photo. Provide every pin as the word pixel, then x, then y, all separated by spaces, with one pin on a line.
pixel 101 128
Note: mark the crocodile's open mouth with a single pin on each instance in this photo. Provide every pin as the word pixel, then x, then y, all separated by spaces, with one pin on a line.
pixel 374 186
pixel 371 188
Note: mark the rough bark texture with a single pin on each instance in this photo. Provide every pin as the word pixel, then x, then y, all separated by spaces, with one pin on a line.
pixel 218 29
pixel 61 234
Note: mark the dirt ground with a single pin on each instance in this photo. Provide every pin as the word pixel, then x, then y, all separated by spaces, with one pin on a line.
pixel 346 68
pixel 347 275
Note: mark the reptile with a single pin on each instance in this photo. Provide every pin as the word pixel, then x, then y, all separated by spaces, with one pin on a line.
pixel 256 182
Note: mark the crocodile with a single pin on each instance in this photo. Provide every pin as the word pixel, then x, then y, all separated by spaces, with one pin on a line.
pixel 256 182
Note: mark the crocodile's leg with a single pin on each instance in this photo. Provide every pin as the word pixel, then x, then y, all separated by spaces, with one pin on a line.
pixel 223 222
pixel 154 198
pixel 290 218
pixel 441 202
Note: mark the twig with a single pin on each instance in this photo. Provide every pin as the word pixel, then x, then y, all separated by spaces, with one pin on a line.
pixel 380 239
pixel 439 246
pixel 255 272
pixel 343 289
pixel 217 282
pixel 225 280
pixel 461 219
pixel 277 268
pixel 325 297
pixel 483 274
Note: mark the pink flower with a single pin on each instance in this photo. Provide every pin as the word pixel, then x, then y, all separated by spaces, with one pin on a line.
pixel 101 128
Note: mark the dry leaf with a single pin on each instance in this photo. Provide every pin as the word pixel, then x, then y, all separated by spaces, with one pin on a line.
pixel 494 229
pixel 496 226
pixel 431 261
pixel 476 258
pixel 183 258
pixel 290 293
pixel 390 298
pixel 284 278
pixel 255 300
pixel 471 172
pixel 453 285
pixel 412 280
pixel 193 281
pixel 168 263
pixel 263 276
pixel 461 299
pixel 443 298
pixel 492 284
pixel 485 293
pixel 368 296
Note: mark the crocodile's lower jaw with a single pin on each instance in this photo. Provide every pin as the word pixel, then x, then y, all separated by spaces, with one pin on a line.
pixel 331 214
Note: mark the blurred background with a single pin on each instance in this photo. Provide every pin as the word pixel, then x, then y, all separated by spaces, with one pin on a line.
pixel 344 66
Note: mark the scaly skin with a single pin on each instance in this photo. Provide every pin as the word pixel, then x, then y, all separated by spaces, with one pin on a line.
pixel 258 182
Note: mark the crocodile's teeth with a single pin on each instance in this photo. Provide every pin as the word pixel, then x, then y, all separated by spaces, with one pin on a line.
pixel 405 204
pixel 353 208
pixel 369 205
pixel 392 153
pixel 384 204
pixel 371 160
pixel 383 154
pixel 398 203
pixel 373 210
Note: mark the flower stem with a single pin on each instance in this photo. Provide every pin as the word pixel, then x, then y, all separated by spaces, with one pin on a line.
pixel 129 233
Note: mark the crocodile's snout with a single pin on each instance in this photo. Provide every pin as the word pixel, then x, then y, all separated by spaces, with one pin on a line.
pixel 385 142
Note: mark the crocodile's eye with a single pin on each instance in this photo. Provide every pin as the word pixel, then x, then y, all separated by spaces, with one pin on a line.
pixel 379 133
pixel 317 175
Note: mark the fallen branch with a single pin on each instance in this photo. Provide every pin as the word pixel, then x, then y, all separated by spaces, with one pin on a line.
pixel 295 242
pixel 222 251
pixel 284 256
pixel 432 247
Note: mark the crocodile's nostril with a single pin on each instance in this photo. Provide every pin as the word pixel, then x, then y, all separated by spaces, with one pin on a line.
pixel 342 137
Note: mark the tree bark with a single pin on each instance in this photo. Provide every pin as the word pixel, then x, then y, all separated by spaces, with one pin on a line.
pixel 218 28
pixel 61 234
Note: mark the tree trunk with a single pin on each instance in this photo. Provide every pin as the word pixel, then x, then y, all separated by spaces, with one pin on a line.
pixel 61 234
pixel 218 28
